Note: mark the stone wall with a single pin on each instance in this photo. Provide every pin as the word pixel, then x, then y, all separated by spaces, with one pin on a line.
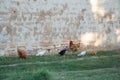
pixel 50 24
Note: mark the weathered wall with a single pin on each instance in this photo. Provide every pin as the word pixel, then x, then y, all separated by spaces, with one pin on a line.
pixel 48 24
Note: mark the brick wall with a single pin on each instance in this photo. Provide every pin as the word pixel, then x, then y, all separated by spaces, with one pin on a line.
pixel 50 24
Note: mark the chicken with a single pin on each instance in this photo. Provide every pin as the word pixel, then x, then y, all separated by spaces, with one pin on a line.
pixel 82 53
pixel 87 52
pixel 92 52
pixel 74 47
pixel 62 52
pixel 71 43
pixel 41 53
pixel 21 53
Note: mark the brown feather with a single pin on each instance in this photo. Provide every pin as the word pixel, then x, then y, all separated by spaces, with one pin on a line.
pixel 22 53
pixel 93 52
pixel 74 47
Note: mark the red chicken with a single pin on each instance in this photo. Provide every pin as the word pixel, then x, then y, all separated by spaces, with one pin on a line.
pixel 21 53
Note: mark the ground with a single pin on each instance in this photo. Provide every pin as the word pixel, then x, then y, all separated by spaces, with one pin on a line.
pixel 103 66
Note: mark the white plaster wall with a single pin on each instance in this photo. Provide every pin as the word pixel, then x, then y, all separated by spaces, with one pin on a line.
pixel 42 23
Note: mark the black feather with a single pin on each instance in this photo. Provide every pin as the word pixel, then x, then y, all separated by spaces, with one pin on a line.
pixel 62 52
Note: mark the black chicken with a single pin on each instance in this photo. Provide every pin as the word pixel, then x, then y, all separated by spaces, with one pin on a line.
pixel 62 52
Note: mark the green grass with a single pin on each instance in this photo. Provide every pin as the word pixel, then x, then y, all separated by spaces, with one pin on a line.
pixel 104 66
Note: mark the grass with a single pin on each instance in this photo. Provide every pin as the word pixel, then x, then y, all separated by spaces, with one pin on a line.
pixel 104 66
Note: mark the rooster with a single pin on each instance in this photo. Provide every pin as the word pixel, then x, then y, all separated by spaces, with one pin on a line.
pixel 74 47
pixel 21 53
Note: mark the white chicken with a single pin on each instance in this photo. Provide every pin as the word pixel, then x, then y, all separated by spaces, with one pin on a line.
pixel 82 53
pixel 41 53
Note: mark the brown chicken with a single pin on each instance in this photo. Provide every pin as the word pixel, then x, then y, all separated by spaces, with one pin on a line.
pixel 74 47
pixel 92 52
pixel 22 54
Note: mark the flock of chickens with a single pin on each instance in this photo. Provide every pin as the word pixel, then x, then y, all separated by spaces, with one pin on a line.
pixel 73 47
